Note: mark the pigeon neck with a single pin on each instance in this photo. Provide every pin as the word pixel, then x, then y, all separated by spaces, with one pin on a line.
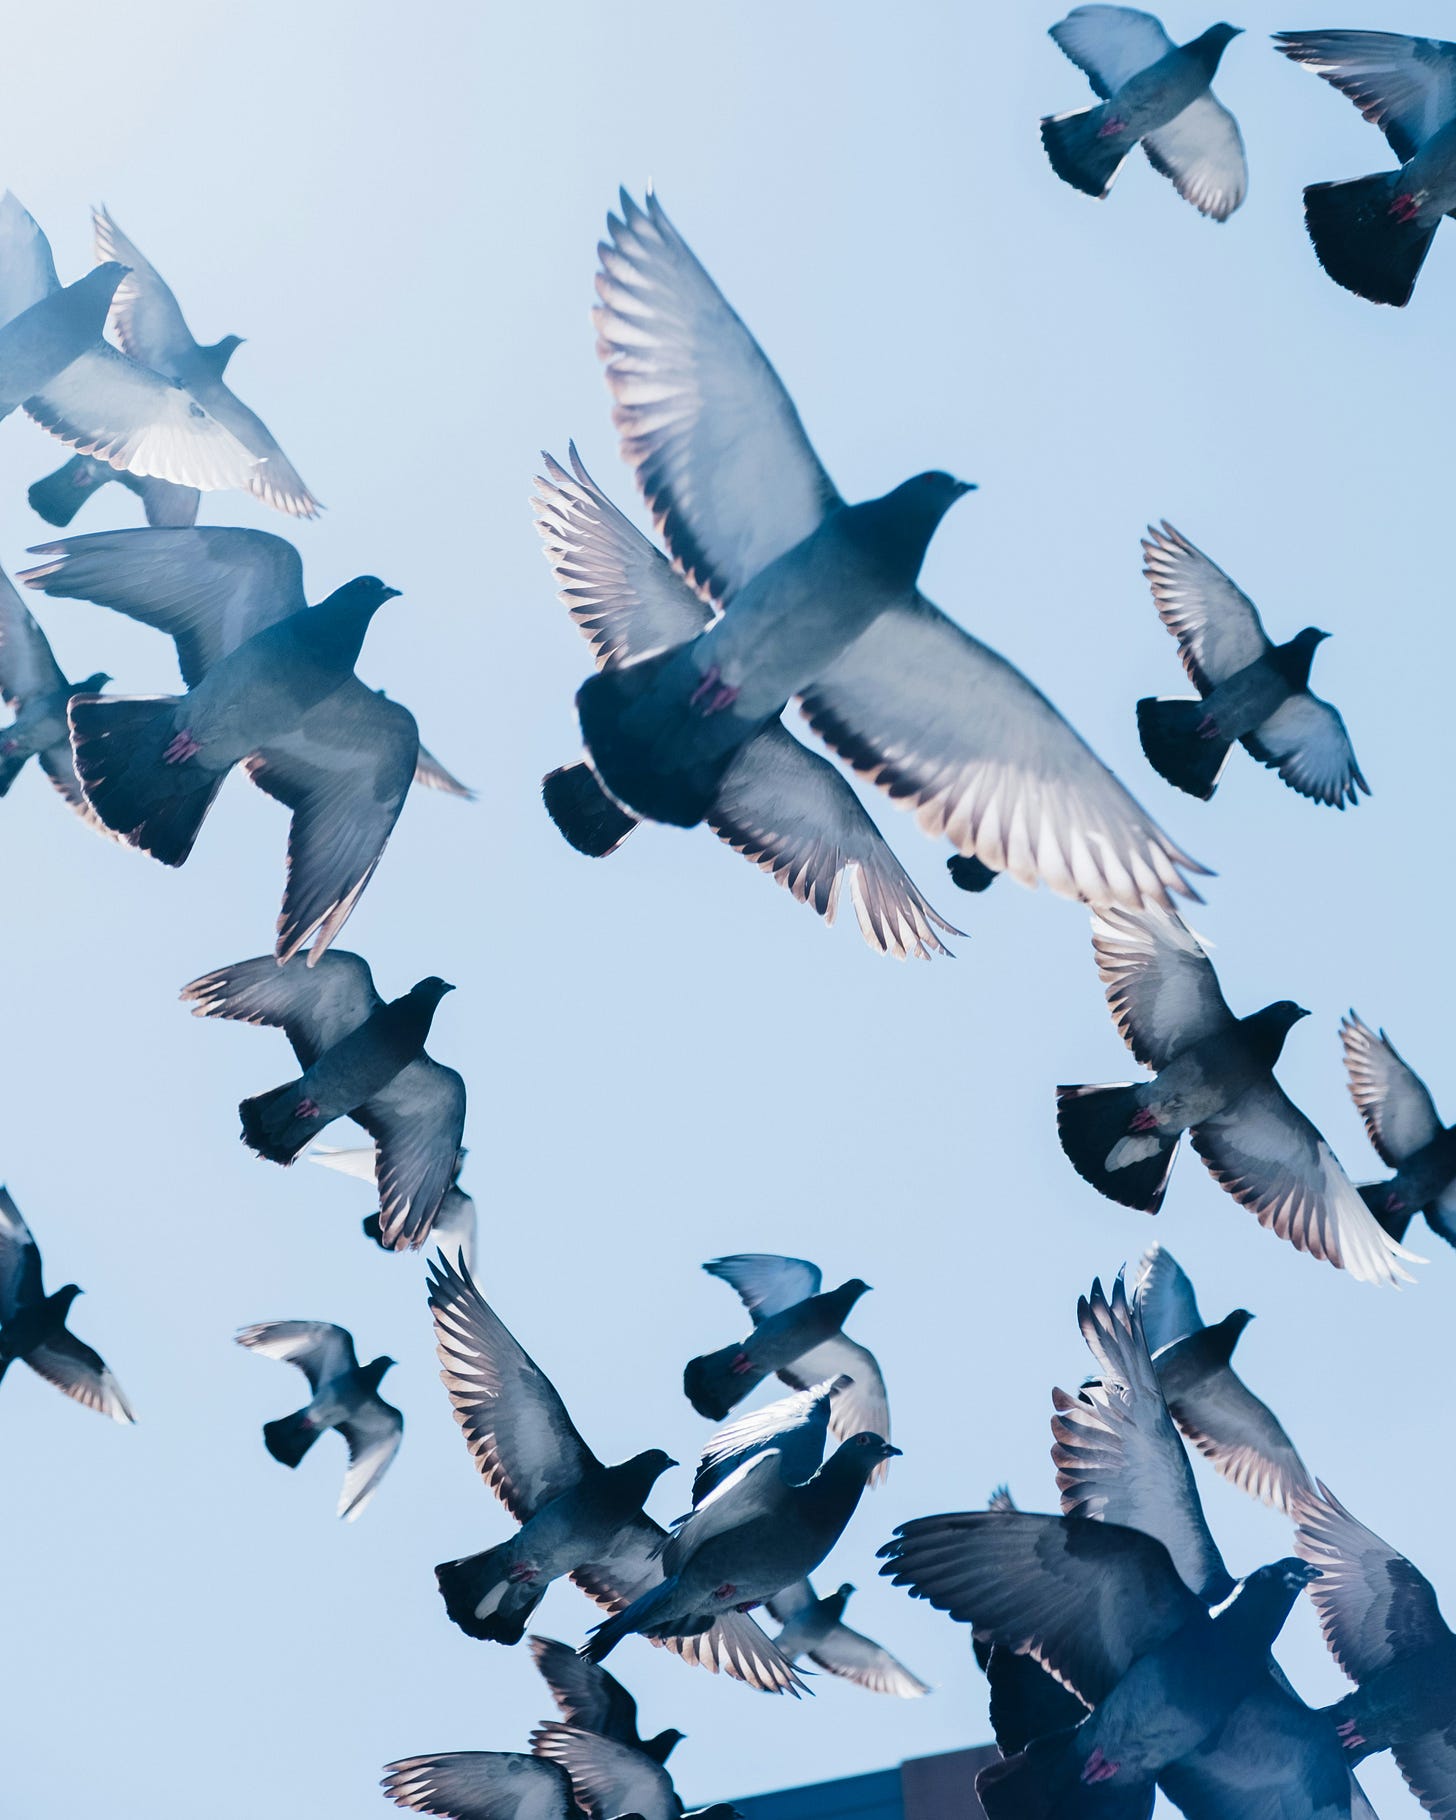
pixel 334 630
pixel 1254 1617
pixel 1218 1341
pixel 1294 660
pixel 1208 47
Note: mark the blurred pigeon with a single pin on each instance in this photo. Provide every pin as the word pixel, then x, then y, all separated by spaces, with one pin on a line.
pixel 753 1536
pixel 943 725
pixel 454 1227
pixel 1205 1396
pixel 345 1396
pixel 481 1785
pixel 360 1057
pixel 33 1324
pixel 1385 1629
pixel 608 1778
pixel 1151 90
pixel 88 393
pixel 1405 1128
pixel 1372 234
pixel 1214 1079
pixel 35 689
pixel 798 1333
pixel 815 1628
pixel 780 805
pixel 593 1700
pixel 271 682
pixel 795 1427
pixel 1249 689
pixel 58 497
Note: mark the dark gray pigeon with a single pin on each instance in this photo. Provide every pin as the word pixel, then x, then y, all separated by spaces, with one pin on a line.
pixel 608 1778
pixel 345 1397
pixel 454 1227
pixel 481 1785
pixel 58 497
pixel 1249 689
pixel 941 723
pixel 1214 1079
pixel 35 689
pixel 1372 234
pixel 1154 92
pixel 1211 1404
pixel 593 1700
pixel 577 1516
pixel 1385 1629
pixel 815 1628
pixel 360 1057
pixel 33 1324
pixel 1405 1128
pixel 780 805
pixel 271 683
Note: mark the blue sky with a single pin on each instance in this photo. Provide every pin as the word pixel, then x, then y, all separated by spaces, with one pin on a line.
pixel 667 1058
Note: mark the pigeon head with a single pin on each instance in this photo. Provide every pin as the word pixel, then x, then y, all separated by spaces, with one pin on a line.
pixel 898 527
pixel 1293 660
pixel 860 1454
pixel 1221 1338
pixel 1265 1599
pixel 334 629
pixel 92 684
pixel 847 1294
pixel 1266 1030
pixel 837 1600
pixel 430 991
pixel 663 1745
pixel 1209 46
pixel 63 1298
pixel 643 1470
pixel 90 297
pixel 374 1371
pixel 220 353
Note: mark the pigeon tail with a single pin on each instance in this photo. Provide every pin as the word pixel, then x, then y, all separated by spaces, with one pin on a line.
pixel 483 1599
pixel 1181 745
pixel 634 1617
pixel 60 496
pixel 717 1381
pixel 1087 148
pixel 585 815
pixel 1094 1124
pixel 1364 239
pixel 121 745
pixel 290 1437
pixel 1044 1782
pixel 1376 1196
pixel 277 1125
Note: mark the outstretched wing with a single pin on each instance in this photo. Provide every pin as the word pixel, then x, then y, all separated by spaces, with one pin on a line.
pixel 319 1349
pixel 1405 86
pixel 1305 741
pixel 1110 44
pixel 313 1006
pixel 1395 1103
pixel 1217 626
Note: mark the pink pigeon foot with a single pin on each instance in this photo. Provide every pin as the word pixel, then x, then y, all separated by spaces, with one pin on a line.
pixel 741 1366
pixel 1097 1768
pixel 752 1605
pixel 1144 1119
pixel 724 1592
pixel 705 688
pixel 520 1574
pixel 7 746
pixel 1208 727
pixel 1348 1736
pixel 183 747
pixel 1393 1203
pixel 725 698
pixel 1109 129
pixel 306 1109
pixel 1405 207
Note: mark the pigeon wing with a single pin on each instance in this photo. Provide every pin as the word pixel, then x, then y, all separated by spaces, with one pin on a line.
pixel 27 665
pixel 433 776
pixel 313 1006
pixel 417 1122
pixel 856 1658
pixel 75 1368
pixel 20 1269
pixel 1405 86
pixel 1161 986
pixel 767 1284
pixel 607 1778
pixel 1243 1438
pixel 862 1404
pixel 372 1435
pixel 1201 153
pixel 145 316
pixel 319 1349
pixel 1163 1296
pixel 481 1785
pixel 1110 44
pixel 1217 626
pixel 27 270
pixel 794 1426
pixel 1389 1095
pixel 1305 741
pixel 586 1695
pixel 1271 1759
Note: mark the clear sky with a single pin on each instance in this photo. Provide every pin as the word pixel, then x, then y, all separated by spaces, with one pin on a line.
pixel 667 1058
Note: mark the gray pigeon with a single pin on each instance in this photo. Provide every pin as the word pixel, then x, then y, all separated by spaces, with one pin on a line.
pixel 33 1324
pixel 780 805
pixel 454 1227
pixel 86 392
pixel 35 689
pixel 1405 1128
pixel 270 682
pixel 345 1396
pixel 1372 234
pixel 58 497
pixel 593 1700
pixel 1249 689
pixel 815 1628
pixel 360 1057
pixel 946 727
pixel 1208 1400
pixel 481 1785
pixel 608 1778
pixel 1214 1079
pixel 1154 92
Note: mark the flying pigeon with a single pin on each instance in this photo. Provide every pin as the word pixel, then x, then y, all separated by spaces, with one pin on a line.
pixel 33 1324
pixel 270 682
pixel 798 1333
pixel 608 1778
pixel 1385 1629
pixel 1150 90
pixel 345 1396
pixel 593 1700
pixel 1215 1409
pixel 1249 689
pixel 35 689
pixel 481 1785
pixel 941 723
pixel 1405 1128
pixel 1372 234
pixel 815 1628
pixel 54 362
pixel 454 1227
pixel 1214 1079
pixel 577 1516
pixel 58 497
pixel 780 805
pixel 360 1057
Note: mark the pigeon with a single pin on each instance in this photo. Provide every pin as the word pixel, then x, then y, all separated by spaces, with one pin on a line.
pixel 815 1628
pixel 940 722
pixel 35 689
pixel 481 1785
pixel 360 1057
pixel 1211 1404
pixel 609 1778
pixel 33 1324
pixel 1385 1629
pixel 1372 234
pixel 593 1700
pixel 798 1333
pixel 753 1536
pixel 345 1396
pixel 58 497
pixel 1405 1128
pixel 1214 1079
pixel 577 1516
pixel 780 805
pixel 87 393
pixel 271 682
pixel 454 1225
pixel 1249 689
pixel 1154 91
pixel 795 1427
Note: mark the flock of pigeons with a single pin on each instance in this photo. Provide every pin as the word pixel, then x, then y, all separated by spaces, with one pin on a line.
pixel 1121 1653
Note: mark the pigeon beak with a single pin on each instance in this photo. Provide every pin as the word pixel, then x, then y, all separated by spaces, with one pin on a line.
pixel 963 487
pixel 1300 1011
pixel 389 594
pixel 892 1453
